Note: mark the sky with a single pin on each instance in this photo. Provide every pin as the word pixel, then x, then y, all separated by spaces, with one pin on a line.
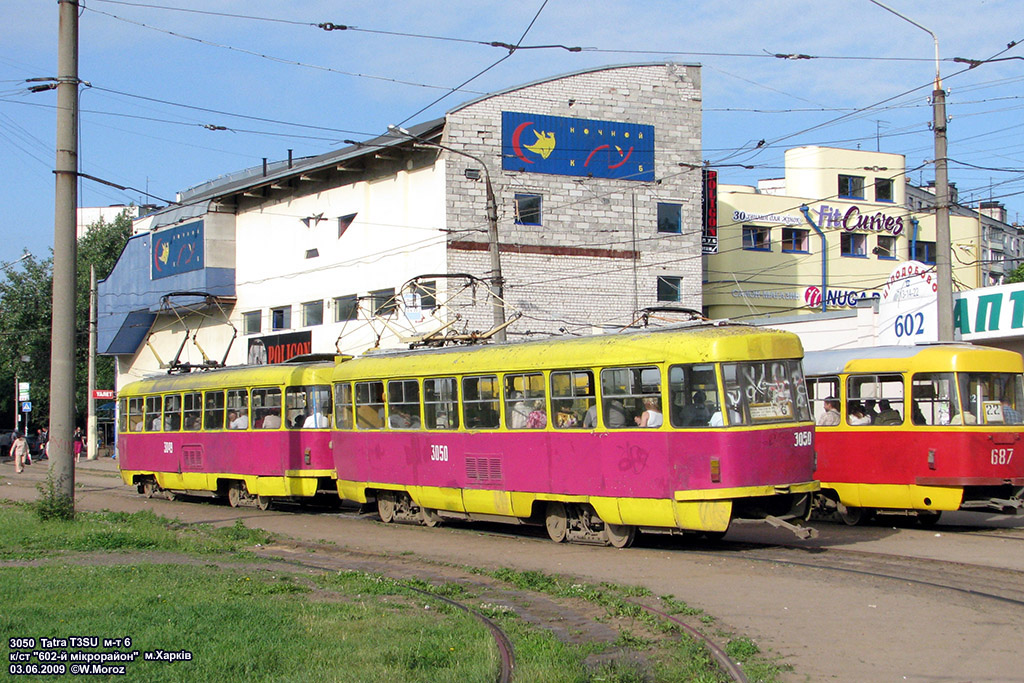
pixel 175 98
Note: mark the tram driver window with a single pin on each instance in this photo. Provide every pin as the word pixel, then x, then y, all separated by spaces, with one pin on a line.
pixel 626 393
pixel 308 407
pixel 213 416
pixel 693 392
pixel 369 405
pixel 440 403
pixel 524 402
pixel 879 397
pixel 573 403
pixel 933 399
pixel 404 404
pixel 480 401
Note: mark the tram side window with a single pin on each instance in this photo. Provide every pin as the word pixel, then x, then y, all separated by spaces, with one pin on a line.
pixel 122 415
pixel 933 399
pixel 480 402
pixel 172 413
pixel 626 393
pixel 343 405
pixel 308 407
pixel 136 415
pixel 820 388
pixel 193 414
pixel 440 403
pixel 238 409
pixel 152 421
pixel 524 402
pixel 875 400
pixel 369 405
pixel 990 397
pixel 404 404
pixel 266 408
pixel 213 417
pixel 694 396
pixel 573 402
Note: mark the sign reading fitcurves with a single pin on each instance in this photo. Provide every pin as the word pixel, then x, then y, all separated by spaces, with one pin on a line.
pixel 577 147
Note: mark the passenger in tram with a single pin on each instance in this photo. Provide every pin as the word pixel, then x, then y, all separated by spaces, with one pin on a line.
pixel 590 417
pixel 695 413
pixel 855 414
pixel 1011 416
pixel 888 416
pixel 870 410
pixel 916 415
pixel 536 418
pixel 614 414
pixel 318 420
pixel 651 417
pixel 271 420
pixel 241 421
pixel 830 418
pixel 519 412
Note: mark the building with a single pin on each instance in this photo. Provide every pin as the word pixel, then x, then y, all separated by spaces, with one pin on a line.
pixel 830 233
pixel 87 215
pixel 597 189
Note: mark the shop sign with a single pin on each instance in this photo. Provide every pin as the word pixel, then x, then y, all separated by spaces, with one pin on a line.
pixel 908 312
pixel 744 217
pixel 278 348
pixel 852 219
pixel 989 312
pixel 836 298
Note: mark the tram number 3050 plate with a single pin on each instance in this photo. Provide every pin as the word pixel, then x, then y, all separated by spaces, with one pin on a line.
pixel 803 438
pixel 1002 456
pixel 438 452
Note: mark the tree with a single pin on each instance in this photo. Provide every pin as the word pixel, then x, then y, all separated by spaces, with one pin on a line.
pixel 1015 275
pixel 25 314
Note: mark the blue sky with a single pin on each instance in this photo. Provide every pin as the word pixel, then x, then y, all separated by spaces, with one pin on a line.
pixel 277 82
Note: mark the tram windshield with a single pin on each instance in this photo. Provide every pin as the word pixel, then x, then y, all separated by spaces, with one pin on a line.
pixel 971 398
pixel 763 392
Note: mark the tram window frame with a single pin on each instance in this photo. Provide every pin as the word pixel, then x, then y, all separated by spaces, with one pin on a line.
pixel 880 387
pixel 938 392
pixel 989 404
pixel 481 402
pixel 213 415
pixel 573 399
pixel 315 406
pixel 154 414
pixel 624 392
pixel 525 401
pixel 404 404
pixel 172 413
pixel 192 411
pixel 441 403
pixel 136 413
pixel 817 397
pixel 122 415
pixel 344 407
pixel 266 402
pixel 684 383
pixel 238 402
pixel 369 402
pixel 748 380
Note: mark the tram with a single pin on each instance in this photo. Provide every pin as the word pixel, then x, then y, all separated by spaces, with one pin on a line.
pixel 682 429
pixel 919 430
pixel 251 434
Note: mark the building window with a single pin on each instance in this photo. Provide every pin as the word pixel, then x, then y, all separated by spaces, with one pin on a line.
pixel 924 252
pixel 528 209
pixel 428 294
pixel 312 253
pixel 670 218
pixel 883 190
pixel 886 247
pixel 281 318
pixel 346 308
pixel 796 240
pixel 669 288
pixel 383 302
pixel 854 244
pixel 757 238
pixel 851 187
pixel 313 313
pixel 252 322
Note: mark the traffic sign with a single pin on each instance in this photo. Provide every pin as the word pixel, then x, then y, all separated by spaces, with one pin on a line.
pixel 26 406
pixel 103 393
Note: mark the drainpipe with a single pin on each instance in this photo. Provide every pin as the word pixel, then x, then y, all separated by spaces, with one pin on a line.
pixel 824 256
pixel 913 239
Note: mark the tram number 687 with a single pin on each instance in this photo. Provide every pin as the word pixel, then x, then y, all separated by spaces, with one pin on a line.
pixel 1002 456
pixel 438 452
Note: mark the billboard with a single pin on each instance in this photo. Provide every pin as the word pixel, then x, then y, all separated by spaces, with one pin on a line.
pixel 177 250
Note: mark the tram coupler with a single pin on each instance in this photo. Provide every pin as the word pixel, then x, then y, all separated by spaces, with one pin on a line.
pixel 801 532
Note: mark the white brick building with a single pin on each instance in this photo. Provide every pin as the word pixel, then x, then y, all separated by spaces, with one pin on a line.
pixel 597 184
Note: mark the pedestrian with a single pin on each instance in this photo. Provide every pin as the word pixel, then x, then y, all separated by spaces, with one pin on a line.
pixel 77 443
pixel 19 451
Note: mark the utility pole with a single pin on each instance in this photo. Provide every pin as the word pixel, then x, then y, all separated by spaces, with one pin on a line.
pixel 62 336
pixel 90 429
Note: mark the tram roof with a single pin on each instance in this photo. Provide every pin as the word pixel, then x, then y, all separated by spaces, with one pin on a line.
pixel 691 343
pixel 318 371
pixel 926 357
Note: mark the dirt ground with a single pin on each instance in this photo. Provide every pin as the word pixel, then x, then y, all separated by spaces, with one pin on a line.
pixel 828 626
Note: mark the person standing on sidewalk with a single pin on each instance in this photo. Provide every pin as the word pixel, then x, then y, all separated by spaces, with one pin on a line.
pixel 19 451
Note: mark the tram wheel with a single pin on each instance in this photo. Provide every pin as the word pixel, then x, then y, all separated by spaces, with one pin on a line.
pixel 386 507
pixel 852 516
pixel 235 494
pixel 620 535
pixel 429 517
pixel 556 521
pixel 263 502
pixel 928 518
pixel 148 489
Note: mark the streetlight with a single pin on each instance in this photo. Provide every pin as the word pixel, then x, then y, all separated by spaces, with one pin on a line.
pixel 497 283
pixel 943 247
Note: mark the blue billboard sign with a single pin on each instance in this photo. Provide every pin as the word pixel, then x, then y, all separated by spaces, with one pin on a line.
pixel 177 250
pixel 576 147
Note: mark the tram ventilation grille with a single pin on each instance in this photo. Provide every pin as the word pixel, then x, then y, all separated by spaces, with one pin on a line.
pixel 192 458
pixel 483 469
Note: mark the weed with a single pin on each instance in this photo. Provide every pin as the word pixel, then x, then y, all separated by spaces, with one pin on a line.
pixel 53 503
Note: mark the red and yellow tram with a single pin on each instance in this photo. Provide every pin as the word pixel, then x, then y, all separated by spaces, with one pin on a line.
pixel 919 430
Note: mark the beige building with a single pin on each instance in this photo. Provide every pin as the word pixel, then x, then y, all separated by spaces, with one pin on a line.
pixel 830 233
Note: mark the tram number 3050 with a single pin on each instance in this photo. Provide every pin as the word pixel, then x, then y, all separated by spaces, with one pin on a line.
pixel 803 438
pixel 1002 456
pixel 438 452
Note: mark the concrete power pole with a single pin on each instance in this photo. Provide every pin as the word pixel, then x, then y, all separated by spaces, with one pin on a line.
pixel 90 430
pixel 943 245
pixel 62 337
